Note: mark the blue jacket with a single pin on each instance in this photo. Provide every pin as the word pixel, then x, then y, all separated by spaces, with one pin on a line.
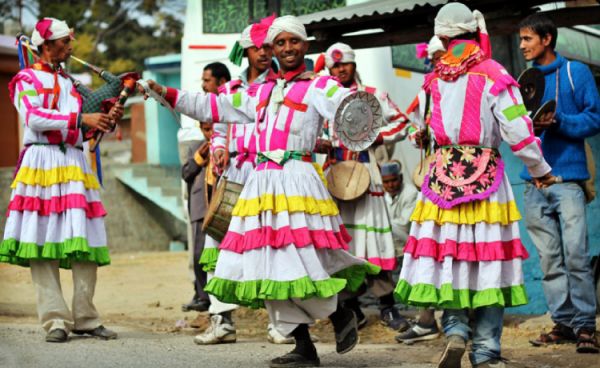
pixel 577 117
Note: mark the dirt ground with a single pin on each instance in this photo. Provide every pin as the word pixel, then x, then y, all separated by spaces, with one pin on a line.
pixel 144 291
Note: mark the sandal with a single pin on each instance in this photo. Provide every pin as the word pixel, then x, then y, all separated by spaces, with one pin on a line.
pixel 346 337
pixel 294 360
pixel 560 334
pixel 587 342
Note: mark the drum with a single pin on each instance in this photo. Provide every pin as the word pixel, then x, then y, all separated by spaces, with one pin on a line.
pixel 348 180
pixel 218 216
pixel 421 170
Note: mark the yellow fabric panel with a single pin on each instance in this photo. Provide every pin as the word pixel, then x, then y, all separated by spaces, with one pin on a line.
pixel 46 178
pixel 468 213
pixel 319 170
pixel 281 203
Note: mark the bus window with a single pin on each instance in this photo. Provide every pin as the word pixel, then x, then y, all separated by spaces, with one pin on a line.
pixel 404 57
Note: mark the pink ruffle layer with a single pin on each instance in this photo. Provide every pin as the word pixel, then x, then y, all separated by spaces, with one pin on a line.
pixel 278 238
pixel 466 251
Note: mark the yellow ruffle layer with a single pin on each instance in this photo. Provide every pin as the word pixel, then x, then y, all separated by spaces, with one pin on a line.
pixel 281 203
pixel 468 213
pixel 58 175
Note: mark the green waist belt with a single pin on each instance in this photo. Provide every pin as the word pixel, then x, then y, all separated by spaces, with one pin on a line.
pixel 280 157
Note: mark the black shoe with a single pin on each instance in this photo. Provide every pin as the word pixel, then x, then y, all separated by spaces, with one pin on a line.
pixel 419 333
pixel 196 305
pixel 57 335
pixel 100 332
pixel 392 318
pixel 294 360
pixel 346 332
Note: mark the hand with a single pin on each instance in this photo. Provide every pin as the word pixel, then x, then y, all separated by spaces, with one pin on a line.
pixel 421 138
pixel 153 86
pixel 116 112
pixel 220 158
pixel 323 146
pixel 203 150
pixel 546 180
pixel 544 122
pixel 99 121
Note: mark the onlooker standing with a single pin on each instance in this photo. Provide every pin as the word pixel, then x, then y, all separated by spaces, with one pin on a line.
pixel 555 216
pixel 197 180
pixel 213 76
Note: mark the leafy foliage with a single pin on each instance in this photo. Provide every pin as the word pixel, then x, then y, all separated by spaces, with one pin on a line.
pixel 115 34
pixel 231 16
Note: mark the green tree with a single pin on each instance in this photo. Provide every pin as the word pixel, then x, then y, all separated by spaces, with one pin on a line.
pixel 110 33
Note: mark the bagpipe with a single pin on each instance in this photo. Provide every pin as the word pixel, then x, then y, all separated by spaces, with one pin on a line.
pixel 100 100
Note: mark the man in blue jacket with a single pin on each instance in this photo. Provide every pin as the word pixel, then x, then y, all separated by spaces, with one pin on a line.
pixel 555 216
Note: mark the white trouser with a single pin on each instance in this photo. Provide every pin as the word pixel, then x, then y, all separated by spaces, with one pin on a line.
pixel 286 315
pixel 52 309
pixel 217 306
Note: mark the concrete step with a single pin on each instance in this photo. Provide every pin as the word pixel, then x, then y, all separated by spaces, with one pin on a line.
pixel 145 180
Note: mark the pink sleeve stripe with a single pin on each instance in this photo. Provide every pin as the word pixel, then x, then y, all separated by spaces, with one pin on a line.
pixel 322 82
pixel 502 83
pixel 171 96
pixel 49 116
pixel 512 96
pixel 35 110
pixel 36 82
pixel 73 121
pixel 73 132
pixel 524 143
pixel 214 108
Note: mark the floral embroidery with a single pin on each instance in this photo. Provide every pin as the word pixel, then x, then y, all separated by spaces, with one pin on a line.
pixel 462 174
pixel 458 59
pixel 468 154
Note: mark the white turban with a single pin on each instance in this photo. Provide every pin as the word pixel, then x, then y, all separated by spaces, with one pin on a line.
pixel 245 40
pixel 287 23
pixel 339 53
pixel 49 29
pixel 434 45
pixel 455 19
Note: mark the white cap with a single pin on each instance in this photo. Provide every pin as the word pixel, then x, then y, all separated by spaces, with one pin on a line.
pixel 287 23
pixel 49 29
pixel 454 19
pixel 339 53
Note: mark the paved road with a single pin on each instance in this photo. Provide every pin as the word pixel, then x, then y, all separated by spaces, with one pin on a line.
pixel 22 346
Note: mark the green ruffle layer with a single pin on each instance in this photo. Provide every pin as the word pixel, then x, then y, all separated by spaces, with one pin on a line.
pixel 71 250
pixel 253 293
pixel 208 259
pixel 426 295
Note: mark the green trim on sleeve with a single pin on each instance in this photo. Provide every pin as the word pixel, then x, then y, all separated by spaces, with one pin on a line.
pixel 237 100
pixel 29 92
pixel 332 91
pixel 513 112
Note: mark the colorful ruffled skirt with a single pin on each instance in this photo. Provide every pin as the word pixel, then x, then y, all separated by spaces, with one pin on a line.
pixel 368 223
pixel 55 212
pixel 286 240
pixel 210 253
pixel 468 256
